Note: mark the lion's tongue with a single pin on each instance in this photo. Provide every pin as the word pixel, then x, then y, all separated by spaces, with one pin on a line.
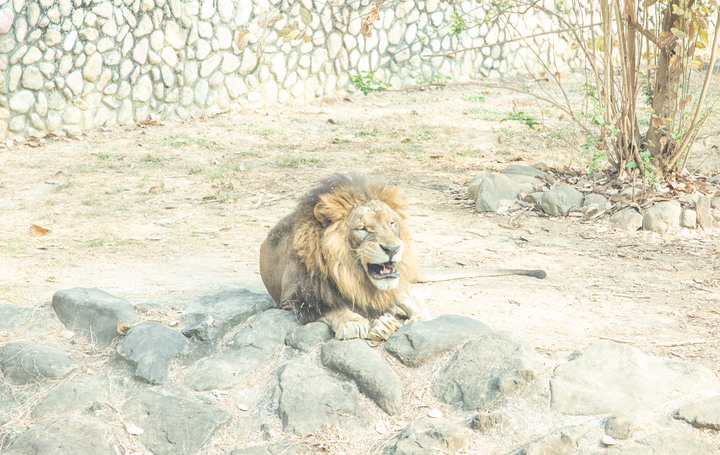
pixel 387 268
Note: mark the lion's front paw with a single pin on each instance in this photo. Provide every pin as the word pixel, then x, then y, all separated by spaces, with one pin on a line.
pixel 419 316
pixel 382 327
pixel 353 329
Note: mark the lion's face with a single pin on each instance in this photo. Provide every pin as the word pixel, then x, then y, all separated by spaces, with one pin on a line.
pixel 373 232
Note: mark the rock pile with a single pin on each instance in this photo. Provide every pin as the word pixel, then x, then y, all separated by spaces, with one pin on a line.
pixel 441 386
pixel 520 187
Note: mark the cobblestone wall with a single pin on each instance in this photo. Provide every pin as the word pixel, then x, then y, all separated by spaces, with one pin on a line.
pixel 73 65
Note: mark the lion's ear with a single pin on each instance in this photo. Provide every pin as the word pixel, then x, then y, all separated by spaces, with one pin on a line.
pixel 331 209
pixel 394 196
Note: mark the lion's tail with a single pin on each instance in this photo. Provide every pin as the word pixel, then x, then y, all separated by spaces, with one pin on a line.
pixel 428 276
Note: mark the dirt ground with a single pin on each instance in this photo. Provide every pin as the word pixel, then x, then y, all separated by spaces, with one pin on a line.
pixel 166 212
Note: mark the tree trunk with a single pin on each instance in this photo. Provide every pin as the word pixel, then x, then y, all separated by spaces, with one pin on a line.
pixel 668 74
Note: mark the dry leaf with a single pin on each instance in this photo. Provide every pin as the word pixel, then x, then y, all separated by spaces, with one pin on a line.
pixel 658 122
pixel 274 19
pixel 305 15
pixel 38 231
pixel 123 327
pixel 294 34
pixel 241 40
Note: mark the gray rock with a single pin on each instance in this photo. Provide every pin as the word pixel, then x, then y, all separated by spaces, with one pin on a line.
pixel 519 169
pixel 485 369
pixel 150 346
pixel 620 427
pixel 172 425
pixel 496 187
pixel 535 198
pixel 701 414
pixel 24 363
pixel 715 203
pixel 486 421
pixel 609 377
pixel 213 316
pixel 416 343
pixel 280 448
pixel 68 398
pixel 12 316
pixel 688 219
pixel 92 313
pixel 265 331
pixel 525 180
pixel 306 337
pixel 628 219
pixel 559 200
pixel 668 442
pixel 247 352
pixel 662 216
pixel 429 437
pixel 310 399
pixel 358 361
pixel 704 217
pixel 594 198
pixel 475 184
pixel 226 370
pixel 676 441
pixel 561 442
pixel 67 435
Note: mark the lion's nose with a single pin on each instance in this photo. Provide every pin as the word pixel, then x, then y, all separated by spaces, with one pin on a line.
pixel 390 250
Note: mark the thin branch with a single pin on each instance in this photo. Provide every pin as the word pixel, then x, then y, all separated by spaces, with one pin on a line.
pixel 708 76
pixel 635 25
pixel 520 38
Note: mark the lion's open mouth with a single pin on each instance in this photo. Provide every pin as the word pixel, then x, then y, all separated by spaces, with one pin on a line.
pixel 383 271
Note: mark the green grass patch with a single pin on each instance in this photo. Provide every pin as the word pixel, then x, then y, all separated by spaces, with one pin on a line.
pixel 479 98
pixel 59 188
pixel 297 161
pixel 184 141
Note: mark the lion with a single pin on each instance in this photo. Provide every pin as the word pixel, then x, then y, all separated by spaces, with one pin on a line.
pixel 344 257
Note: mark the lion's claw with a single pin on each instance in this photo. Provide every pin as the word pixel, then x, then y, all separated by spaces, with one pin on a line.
pixel 382 327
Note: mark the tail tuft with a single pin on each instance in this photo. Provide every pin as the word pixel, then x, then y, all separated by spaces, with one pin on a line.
pixel 540 274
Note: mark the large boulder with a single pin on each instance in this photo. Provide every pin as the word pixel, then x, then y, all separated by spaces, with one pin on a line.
pixel 172 425
pixel 496 187
pixel 486 369
pixel 151 346
pixel 609 377
pixel 561 199
pixel 67 435
pixel 429 437
pixel 213 316
pixel 92 313
pixel 311 399
pixel 25 363
pixel 358 361
pixel 662 216
pixel 417 343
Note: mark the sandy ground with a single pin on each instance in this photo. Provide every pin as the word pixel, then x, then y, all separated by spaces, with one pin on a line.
pixel 170 211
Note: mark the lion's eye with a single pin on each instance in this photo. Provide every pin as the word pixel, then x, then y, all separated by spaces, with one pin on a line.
pixel 393 224
pixel 364 230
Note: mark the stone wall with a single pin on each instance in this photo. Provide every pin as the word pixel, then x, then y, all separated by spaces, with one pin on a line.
pixel 73 65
